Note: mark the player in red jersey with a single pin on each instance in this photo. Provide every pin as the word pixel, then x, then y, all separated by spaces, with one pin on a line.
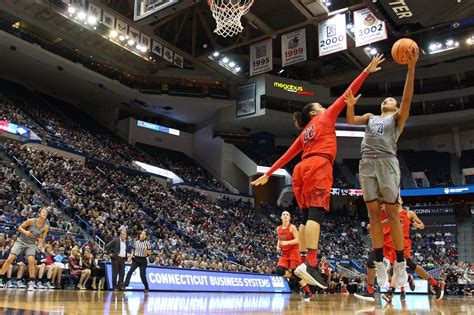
pixel 312 177
pixel 406 218
pixel 290 258
pixel 324 269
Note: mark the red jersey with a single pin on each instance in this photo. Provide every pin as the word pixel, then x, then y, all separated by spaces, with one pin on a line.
pixel 404 220
pixel 285 234
pixel 324 268
pixel 319 136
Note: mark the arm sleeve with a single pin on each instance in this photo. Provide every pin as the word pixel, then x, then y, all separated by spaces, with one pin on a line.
pixel 292 151
pixel 335 109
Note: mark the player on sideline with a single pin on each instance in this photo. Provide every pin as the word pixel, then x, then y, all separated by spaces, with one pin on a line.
pixel 406 218
pixel 290 258
pixel 379 170
pixel 312 177
pixel 32 231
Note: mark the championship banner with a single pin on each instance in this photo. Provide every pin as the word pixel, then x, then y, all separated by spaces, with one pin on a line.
pixel 108 20
pixel 145 41
pixel 246 100
pixel 157 48
pixel 94 11
pixel 293 47
pixel 178 279
pixel 121 27
pixel 168 54
pixel 261 57
pixel 178 60
pixel 133 34
pixel 368 29
pixel 332 35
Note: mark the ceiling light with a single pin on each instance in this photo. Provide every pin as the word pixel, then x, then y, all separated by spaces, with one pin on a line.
pixel 216 54
pixel 432 46
pixel 237 69
pixel 439 45
pixel 456 44
pixel 469 41
pixel 121 38
pixel 113 33
pixel 81 15
pixel 450 42
pixel 71 10
pixel 281 71
pixel 231 64
pixel 143 49
pixel 92 20
pixel 131 42
pixel 225 60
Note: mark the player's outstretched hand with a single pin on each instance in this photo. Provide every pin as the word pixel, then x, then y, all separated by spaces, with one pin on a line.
pixel 375 63
pixel 350 99
pixel 412 56
pixel 262 180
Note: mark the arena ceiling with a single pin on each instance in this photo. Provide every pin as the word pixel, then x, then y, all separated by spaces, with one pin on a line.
pixel 191 30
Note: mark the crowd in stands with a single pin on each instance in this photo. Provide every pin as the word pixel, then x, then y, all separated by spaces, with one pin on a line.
pixel 459 279
pixel 34 110
pixel 432 249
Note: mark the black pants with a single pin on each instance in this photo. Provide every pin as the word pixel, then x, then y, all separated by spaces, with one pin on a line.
pixel 138 262
pixel 118 269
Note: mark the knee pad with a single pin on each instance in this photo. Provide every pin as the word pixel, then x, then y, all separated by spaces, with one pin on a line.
pixel 316 214
pixel 370 261
pixel 411 264
pixel 280 270
pixel 304 218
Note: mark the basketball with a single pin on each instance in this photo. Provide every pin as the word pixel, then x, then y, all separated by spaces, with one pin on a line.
pixel 399 49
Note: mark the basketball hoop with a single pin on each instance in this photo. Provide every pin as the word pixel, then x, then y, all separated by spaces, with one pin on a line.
pixel 227 14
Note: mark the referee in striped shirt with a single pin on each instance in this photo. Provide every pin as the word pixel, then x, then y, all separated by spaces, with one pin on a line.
pixel 140 252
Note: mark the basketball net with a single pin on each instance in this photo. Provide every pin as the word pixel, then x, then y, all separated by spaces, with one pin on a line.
pixel 227 14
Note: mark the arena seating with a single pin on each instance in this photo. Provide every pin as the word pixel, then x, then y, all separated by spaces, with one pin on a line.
pixel 436 165
pixel 58 128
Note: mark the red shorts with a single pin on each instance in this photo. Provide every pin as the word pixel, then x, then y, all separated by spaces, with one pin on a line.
pixel 389 250
pixel 289 259
pixel 312 182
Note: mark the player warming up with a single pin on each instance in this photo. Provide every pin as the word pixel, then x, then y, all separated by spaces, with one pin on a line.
pixel 32 234
pixel 379 170
pixel 290 258
pixel 312 177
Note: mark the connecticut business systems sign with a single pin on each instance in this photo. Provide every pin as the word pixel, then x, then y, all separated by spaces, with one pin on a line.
pixel 178 279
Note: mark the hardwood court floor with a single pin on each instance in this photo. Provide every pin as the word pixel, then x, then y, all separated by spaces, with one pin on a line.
pixel 131 303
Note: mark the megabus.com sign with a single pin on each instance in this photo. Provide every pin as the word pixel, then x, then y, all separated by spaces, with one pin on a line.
pixel 291 88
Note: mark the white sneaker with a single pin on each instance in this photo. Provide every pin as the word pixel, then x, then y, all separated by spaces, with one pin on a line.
pixel 31 286
pixel 47 286
pixel 401 275
pixel 9 284
pixel 20 285
pixel 1 283
pixel 39 285
pixel 381 273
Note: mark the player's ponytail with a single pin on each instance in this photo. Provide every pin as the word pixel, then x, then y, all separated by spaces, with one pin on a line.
pixel 302 118
pixel 297 119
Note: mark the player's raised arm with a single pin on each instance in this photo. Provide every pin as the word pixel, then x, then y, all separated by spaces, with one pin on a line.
pixel 351 118
pixel 417 223
pixel 404 112
pixel 335 109
pixel 292 151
